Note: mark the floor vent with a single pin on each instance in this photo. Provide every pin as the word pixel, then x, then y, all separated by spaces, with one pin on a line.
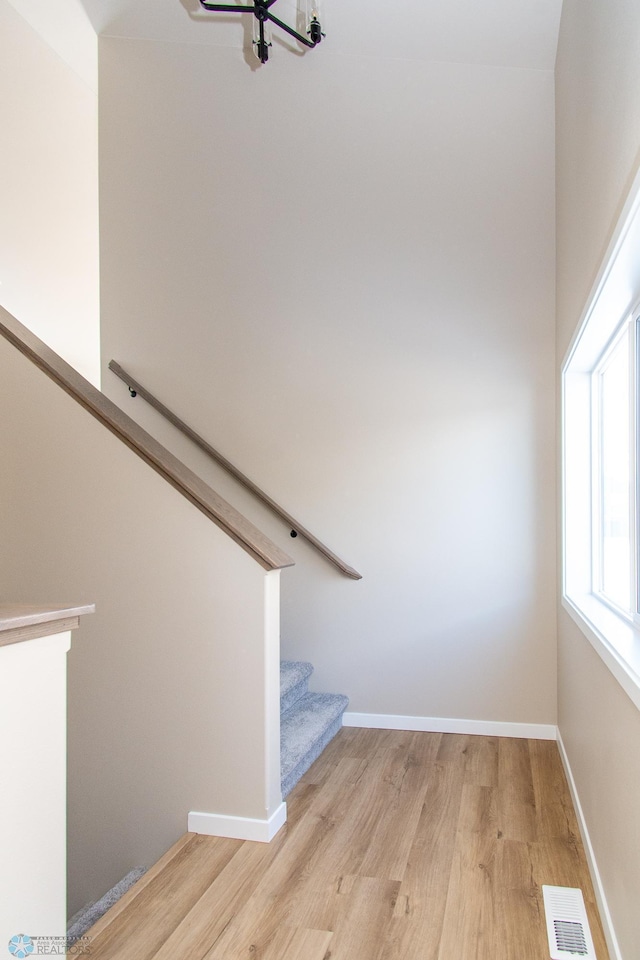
pixel 567 924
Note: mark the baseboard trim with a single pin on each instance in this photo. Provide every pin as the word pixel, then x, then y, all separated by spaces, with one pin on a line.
pixel 487 728
pixel 603 907
pixel 238 828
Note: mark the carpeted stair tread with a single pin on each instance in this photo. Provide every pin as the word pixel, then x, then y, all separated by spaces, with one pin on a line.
pixel 294 682
pixel 305 730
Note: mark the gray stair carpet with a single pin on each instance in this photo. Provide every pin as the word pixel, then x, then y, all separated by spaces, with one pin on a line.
pixel 84 919
pixel 294 682
pixel 305 730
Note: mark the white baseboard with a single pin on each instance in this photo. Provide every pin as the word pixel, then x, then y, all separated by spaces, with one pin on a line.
pixel 487 728
pixel 238 828
pixel 605 916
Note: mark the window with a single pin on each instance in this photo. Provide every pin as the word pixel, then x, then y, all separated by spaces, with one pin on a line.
pixel 601 471
pixel 614 387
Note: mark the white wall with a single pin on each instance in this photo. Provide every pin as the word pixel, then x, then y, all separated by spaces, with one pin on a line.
pixel 66 29
pixel 598 140
pixel 49 186
pixel 169 710
pixel 339 269
pixel 33 751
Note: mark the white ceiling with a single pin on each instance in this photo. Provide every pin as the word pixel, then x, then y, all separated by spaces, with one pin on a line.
pixel 507 33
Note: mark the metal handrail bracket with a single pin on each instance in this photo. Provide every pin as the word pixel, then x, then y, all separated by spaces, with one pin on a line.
pixel 297 529
pixel 185 481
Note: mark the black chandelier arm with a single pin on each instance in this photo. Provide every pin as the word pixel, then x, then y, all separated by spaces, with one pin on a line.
pixel 261 10
pixel 226 7
pixel 289 30
pixel 234 8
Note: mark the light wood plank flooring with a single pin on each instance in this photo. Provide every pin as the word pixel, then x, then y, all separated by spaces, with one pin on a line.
pixel 399 846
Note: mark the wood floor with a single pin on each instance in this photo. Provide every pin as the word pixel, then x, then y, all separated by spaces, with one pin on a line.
pixel 399 846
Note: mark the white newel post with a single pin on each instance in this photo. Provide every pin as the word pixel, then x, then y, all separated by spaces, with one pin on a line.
pixel 34 641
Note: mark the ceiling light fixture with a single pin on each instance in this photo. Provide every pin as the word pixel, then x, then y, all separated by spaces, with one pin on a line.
pixel 261 10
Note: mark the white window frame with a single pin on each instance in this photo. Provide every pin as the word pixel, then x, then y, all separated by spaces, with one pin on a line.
pixel 614 298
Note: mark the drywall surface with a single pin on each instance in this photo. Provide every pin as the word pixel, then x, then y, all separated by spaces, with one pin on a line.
pixel 598 148
pixel 600 729
pixel 598 142
pixel 169 711
pixel 340 271
pixel 49 193
pixel 66 28
pixel 33 720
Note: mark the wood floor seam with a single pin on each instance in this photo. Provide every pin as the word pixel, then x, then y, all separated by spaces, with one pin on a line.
pixel 399 846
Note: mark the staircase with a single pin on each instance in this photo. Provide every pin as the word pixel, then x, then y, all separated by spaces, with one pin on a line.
pixel 308 721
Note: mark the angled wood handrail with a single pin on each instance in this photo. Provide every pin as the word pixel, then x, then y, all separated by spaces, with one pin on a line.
pixel 137 388
pixel 260 547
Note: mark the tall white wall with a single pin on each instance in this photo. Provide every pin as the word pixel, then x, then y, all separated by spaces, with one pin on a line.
pixel 598 142
pixel 49 180
pixel 169 708
pixel 339 269
pixel 33 721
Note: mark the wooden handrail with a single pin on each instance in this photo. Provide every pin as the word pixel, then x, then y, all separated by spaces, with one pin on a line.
pixel 260 547
pixel 136 388
pixel 20 622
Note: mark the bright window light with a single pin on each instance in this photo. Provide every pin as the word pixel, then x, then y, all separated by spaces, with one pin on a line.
pixel 613 503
